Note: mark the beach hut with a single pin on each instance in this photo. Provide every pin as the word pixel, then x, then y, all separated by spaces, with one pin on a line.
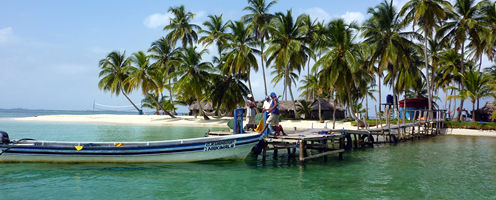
pixel 409 106
pixel 194 108
pixel 286 108
pixel 327 108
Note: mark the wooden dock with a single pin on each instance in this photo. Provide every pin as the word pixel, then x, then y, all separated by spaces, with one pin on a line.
pixel 320 143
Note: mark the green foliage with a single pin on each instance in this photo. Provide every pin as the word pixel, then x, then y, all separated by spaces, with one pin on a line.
pixel 471 125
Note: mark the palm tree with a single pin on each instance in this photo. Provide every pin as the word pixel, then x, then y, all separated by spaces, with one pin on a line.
pixel 340 65
pixel 162 52
pixel 478 85
pixel 142 76
pixel 180 27
pixel 287 47
pixel 215 31
pixel 489 16
pixel 383 31
pixel 114 70
pixel 194 75
pixel 449 68
pixel 226 92
pixel 240 58
pixel 258 18
pixel 305 109
pixel 426 14
pixel 309 84
pixel 147 102
pixel 463 24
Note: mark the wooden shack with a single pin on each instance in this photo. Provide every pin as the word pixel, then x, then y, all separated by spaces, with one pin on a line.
pixel 194 108
pixel 327 108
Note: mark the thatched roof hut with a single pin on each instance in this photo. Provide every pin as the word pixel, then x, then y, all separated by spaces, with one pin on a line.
pixel 327 108
pixel 486 112
pixel 194 108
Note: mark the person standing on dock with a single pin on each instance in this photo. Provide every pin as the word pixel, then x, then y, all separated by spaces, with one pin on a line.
pixel 250 112
pixel 273 119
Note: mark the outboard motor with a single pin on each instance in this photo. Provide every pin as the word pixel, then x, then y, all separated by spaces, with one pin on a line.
pixel 4 138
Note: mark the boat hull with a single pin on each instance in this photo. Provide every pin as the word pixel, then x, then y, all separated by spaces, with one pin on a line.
pixel 235 147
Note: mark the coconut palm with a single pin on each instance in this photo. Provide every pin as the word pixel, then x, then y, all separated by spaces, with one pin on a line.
pixel 304 108
pixel 383 31
pixel 463 24
pixel 489 16
pixel 340 65
pixel 194 75
pixel 142 76
pixel 309 84
pixel 163 53
pixel 427 14
pixel 114 70
pixel 287 47
pixel 215 32
pixel 258 18
pixel 181 28
pixel 240 57
pixel 226 92
pixel 478 85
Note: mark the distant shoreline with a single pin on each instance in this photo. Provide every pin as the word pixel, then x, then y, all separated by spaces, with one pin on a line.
pixel 161 120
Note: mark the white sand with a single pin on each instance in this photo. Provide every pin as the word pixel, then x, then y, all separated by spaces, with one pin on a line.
pixel 470 132
pixel 155 120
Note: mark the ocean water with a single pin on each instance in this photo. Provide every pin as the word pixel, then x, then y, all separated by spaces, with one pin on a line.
pixel 443 167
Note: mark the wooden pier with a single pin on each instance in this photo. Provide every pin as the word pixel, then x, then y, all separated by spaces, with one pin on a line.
pixel 306 144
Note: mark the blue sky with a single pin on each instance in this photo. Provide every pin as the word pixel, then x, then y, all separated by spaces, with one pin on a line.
pixel 49 50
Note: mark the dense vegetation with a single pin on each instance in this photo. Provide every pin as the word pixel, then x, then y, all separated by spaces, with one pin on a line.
pixel 445 39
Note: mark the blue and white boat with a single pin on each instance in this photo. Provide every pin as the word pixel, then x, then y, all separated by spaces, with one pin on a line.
pixel 229 147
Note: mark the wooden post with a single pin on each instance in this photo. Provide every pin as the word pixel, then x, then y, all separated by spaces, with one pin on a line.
pixel 301 148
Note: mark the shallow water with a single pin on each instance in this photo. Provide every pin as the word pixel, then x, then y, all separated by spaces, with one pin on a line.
pixel 444 167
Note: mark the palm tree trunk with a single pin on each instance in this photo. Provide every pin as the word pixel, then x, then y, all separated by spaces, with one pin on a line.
pixel 262 61
pixel 334 114
pixel 473 110
pixel 379 92
pixel 480 64
pixel 249 83
pixel 308 76
pixel 461 83
pixel 426 59
pixel 449 105
pixel 170 92
pixel 134 105
pixel 160 105
pixel 367 106
pixel 294 103
pixel 350 107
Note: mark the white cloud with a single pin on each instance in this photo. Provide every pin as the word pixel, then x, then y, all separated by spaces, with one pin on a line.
pixel 353 17
pixel 157 20
pixel 318 13
pixel 7 35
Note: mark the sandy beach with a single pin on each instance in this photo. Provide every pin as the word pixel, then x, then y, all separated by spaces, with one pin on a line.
pixel 155 120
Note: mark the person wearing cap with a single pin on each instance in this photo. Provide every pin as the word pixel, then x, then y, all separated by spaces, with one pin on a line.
pixel 250 112
pixel 273 119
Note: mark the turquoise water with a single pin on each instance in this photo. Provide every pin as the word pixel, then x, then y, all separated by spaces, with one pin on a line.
pixel 444 167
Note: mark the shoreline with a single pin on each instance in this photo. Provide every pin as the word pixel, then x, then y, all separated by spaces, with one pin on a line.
pixel 161 120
